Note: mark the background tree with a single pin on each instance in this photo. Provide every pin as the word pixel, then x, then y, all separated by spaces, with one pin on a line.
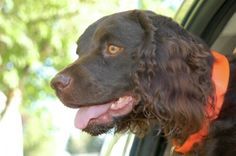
pixel 35 40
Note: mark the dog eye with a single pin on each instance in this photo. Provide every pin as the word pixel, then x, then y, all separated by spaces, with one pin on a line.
pixel 113 49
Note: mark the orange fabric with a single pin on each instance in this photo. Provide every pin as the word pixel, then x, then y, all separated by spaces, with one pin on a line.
pixel 220 77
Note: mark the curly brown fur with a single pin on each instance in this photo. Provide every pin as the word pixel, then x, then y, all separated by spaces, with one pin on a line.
pixel 163 67
pixel 174 77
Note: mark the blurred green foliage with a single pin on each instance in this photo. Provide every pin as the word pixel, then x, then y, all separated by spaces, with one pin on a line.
pixel 37 39
pixel 90 144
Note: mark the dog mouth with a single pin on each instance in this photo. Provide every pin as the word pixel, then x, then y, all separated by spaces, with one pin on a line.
pixel 104 113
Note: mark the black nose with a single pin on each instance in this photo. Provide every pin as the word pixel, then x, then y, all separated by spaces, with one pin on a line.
pixel 60 81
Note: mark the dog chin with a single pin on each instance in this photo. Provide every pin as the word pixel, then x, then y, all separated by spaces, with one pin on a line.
pixel 98 129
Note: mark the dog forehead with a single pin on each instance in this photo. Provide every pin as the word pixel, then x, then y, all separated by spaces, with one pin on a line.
pixel 121 24
pixel 124 22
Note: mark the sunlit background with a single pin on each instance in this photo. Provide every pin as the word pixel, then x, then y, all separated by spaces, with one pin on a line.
pixel 37 39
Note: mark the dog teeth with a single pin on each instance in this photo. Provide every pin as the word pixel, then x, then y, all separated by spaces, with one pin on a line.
pixel 121 102
pixel 114 105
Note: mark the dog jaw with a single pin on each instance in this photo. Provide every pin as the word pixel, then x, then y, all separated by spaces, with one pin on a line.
pixel 103 114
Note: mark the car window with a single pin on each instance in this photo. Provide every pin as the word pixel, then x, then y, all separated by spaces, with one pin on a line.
pixel 225 43
pixel 183 10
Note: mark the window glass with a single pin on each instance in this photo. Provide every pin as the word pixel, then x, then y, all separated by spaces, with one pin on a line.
pixel 225 43
pixel 183 10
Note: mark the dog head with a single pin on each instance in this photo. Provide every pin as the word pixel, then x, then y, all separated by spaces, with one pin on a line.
pixel 136 69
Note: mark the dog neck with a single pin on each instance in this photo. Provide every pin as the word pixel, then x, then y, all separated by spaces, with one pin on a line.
pixel 220 77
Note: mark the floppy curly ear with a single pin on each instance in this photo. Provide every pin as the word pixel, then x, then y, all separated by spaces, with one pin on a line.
pixel 173 79
pixel 145 72
pixel 184 86
pixel 146 54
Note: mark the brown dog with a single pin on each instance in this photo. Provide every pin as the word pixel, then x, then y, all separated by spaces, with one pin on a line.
pixel 137 69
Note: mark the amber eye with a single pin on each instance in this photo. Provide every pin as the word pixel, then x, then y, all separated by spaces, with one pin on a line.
pixel 112 49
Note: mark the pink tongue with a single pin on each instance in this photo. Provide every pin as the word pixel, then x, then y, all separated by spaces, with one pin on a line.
pixel 85 114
